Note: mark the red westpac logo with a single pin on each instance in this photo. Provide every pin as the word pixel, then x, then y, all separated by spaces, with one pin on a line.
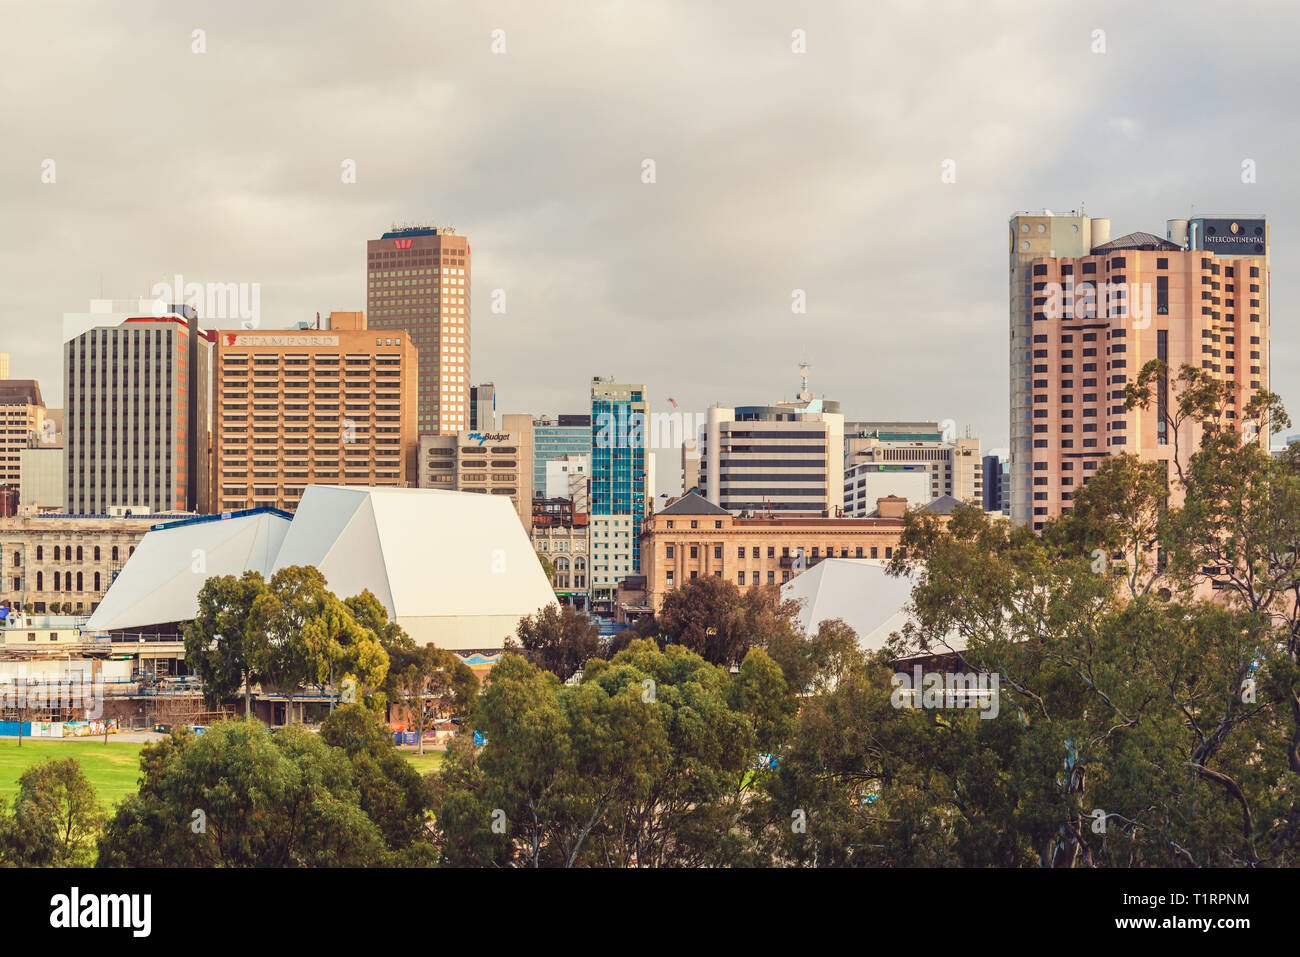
pixel 402 243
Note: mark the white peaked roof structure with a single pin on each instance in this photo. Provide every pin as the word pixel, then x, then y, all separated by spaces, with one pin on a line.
pixel 455 569
pixel 160 582
pixel 861 592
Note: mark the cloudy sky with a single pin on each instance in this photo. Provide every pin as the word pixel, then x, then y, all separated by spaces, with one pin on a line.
pixel 775 171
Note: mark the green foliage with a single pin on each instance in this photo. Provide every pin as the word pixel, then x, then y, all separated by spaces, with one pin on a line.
pixel 237 796
pixel 56 818
pixel 558 640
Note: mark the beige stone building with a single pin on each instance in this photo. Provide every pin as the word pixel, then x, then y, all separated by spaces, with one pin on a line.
pixel 296 407
pixel 693 538
pixel 494 463
pixel 64 559
pixel 566 547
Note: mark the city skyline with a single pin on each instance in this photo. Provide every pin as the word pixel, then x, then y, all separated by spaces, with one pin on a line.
pixel 713 252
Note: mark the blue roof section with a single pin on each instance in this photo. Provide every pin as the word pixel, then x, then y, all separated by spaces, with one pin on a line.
pixel 199 520
pixel 418 231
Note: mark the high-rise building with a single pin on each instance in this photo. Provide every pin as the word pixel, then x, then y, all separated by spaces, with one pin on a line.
pixel 483 407
pixel 557 437
pixel 619 493
pixel 953 464
pixel 22 422
pixel 297 407
pixel 492 463
pixel 4 365
pixel 136 420
pixel 418 281
pixel 785 458
pixel 1088 312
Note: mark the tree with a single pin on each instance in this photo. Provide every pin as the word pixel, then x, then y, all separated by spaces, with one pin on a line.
pixel 225 636
pixel 290 656
pixel 430 682
pixel 237 796
pixel 56 817
pixel 392 793
pixel 560 640
pixel 642 763
pixel 547 567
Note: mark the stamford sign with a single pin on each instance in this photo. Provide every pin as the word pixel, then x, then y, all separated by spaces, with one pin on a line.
pixel 236 340
pixel 1230 236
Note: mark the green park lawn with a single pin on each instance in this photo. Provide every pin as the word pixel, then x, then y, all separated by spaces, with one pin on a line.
pixel 113 768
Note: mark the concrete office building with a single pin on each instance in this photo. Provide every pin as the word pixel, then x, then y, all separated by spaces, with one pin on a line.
pixel 22 425
pixel 136 396
pixel 483 407
pixel 953 464
pixel 297 407
pixel 1088 312
pixel 867 482
pixel 620 494
pixel 558 437
pixel 418 282
pixel 4 365
pixel 786 458
pixel 492 463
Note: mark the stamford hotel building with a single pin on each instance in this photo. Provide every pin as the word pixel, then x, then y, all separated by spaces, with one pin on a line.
pixel 1088 312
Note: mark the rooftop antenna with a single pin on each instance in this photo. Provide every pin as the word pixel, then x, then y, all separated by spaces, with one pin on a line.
pixel 804 394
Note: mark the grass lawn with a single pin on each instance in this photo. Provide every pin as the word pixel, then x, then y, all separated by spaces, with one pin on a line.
pixel 113 768
pixel 429 761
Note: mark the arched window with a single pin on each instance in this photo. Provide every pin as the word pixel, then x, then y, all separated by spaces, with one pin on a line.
pixel 40 581
pixel 78 553
pixel 56 553
pixel 79 588
pixel 131 552
pixel 40 552
pixel 96 581
pixel 96 553
pixel 114 553
pixel 57 579
pixel 18 559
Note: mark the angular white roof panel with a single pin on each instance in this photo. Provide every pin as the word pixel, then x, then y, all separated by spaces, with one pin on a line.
pixel 861 592
pixel 453 568
pixel 160 582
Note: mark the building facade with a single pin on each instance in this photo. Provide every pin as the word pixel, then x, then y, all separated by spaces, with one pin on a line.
pixel 693 538
pixel 786 458
pixel 558 437
pixel 418 282
pixel 297 407
pixel 565 545
pixel 136 416
pixel 22 425
pixel 620 494
pixel 63 559
pixel 492 463
pixel 1088 312
pixel 954 465
pixel 483 407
